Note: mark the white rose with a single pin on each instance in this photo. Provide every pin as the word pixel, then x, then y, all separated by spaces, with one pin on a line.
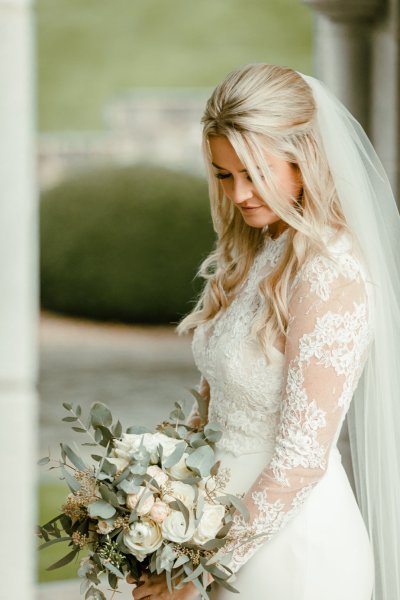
pixel 104 526
pixel 209 524
pixel 130 443
pixel 144 537
pixel 132 500
pixel 158 474
pixel 180 470
pixel 182 491
pixel 159 511
pixel 174 527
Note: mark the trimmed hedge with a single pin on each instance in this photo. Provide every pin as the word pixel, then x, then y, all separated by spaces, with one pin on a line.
pixel 124 244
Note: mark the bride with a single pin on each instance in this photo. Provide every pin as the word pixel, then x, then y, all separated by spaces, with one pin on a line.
pixel 296 328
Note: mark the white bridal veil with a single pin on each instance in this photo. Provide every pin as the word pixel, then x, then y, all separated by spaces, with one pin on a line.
pixel 374 418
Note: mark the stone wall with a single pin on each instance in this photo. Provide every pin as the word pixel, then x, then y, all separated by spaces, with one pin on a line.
pixel 156 126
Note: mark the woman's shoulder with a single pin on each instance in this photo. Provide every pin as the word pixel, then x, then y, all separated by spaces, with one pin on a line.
pixel 340 261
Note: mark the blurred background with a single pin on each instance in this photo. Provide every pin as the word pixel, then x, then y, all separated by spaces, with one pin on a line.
pixel 100 107
pixel 124 212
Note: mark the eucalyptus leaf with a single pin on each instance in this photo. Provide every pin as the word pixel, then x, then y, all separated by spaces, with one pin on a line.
pixel 117 430
pixel 70 419
pixel 79 429
pixel 138 429
pixel 102 509
pixel 226 585
pixel 72 483
pixel 179 505
pixel 74 458
pixel 181 560
pixel 215 543
pixel 237 503
pixel 108 495
pixel 129 487
pixel 54 541
pixel 43 461
pixel 100 415
pixel 108 467
pixel 113 569
pixel 175 456
pixel 64 561
pixel 201 460
pixel 67 406
pixel 106 435
pixel 213 432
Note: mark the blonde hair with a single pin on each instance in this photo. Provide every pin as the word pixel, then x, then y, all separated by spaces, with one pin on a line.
pixel 265 107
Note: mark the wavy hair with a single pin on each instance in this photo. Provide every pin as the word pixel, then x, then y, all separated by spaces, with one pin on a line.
pixel 267 107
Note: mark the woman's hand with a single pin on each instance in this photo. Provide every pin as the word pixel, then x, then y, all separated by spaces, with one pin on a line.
pixel 155 588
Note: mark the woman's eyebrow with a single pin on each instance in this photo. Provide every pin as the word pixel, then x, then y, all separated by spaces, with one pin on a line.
pixel 223 169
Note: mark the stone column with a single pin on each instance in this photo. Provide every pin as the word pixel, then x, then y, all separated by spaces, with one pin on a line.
pixel 357 53
pixel 18 301
pixel 342 50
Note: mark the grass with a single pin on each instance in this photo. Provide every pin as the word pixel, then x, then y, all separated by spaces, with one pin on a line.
pixel 90 50
pixel 51 497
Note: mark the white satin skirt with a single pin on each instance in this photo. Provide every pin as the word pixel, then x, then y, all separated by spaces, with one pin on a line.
pixel 322 553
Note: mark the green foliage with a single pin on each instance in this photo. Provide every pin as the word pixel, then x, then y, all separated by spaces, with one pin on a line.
pixel 51 495
pixel 90 50
pixel 124 244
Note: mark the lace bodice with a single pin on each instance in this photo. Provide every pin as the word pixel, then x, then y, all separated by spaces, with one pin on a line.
pixel 293 408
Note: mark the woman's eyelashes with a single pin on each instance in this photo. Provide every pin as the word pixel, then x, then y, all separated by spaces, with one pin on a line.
pixel 227 175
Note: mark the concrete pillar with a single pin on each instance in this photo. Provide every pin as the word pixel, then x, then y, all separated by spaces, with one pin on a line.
pixel 357 53
pixel 385 92
pixel 18 301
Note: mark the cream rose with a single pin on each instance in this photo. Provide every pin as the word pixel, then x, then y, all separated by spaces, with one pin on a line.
pixel 158 474
pixel 159 511
pixel 210 523
pixel 132 501
pixel 182 491
pixel 144 537
pixel 174 527
pixel 104 527
pixel 130 443
pixel 180 470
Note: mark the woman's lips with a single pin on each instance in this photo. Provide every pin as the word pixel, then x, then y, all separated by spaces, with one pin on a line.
pixel 250 208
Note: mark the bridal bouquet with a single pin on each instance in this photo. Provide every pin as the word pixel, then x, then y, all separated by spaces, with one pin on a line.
pixel 149 502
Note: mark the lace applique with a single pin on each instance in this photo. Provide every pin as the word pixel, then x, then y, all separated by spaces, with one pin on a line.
pixel 326 348
pixel 295 407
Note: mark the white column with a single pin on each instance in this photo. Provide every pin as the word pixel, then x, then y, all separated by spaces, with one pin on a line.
pixel 18 301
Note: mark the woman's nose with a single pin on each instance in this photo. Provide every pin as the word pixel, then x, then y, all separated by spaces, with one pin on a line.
pixel 242 191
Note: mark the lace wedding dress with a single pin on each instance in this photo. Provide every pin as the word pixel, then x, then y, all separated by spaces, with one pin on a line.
pixel 281 422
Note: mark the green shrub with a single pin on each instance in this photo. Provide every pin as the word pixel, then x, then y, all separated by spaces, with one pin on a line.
pixel 124 244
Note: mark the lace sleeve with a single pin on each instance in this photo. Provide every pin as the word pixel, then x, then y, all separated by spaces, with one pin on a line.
pixel 326 347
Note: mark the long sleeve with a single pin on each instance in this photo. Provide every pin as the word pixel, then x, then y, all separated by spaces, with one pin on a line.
pixel 327 343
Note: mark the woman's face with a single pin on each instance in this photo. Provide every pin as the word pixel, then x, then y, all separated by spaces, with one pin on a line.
pixel 239 188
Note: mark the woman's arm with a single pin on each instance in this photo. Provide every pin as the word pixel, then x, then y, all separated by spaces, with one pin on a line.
pixel 326 347
pixel 194 418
